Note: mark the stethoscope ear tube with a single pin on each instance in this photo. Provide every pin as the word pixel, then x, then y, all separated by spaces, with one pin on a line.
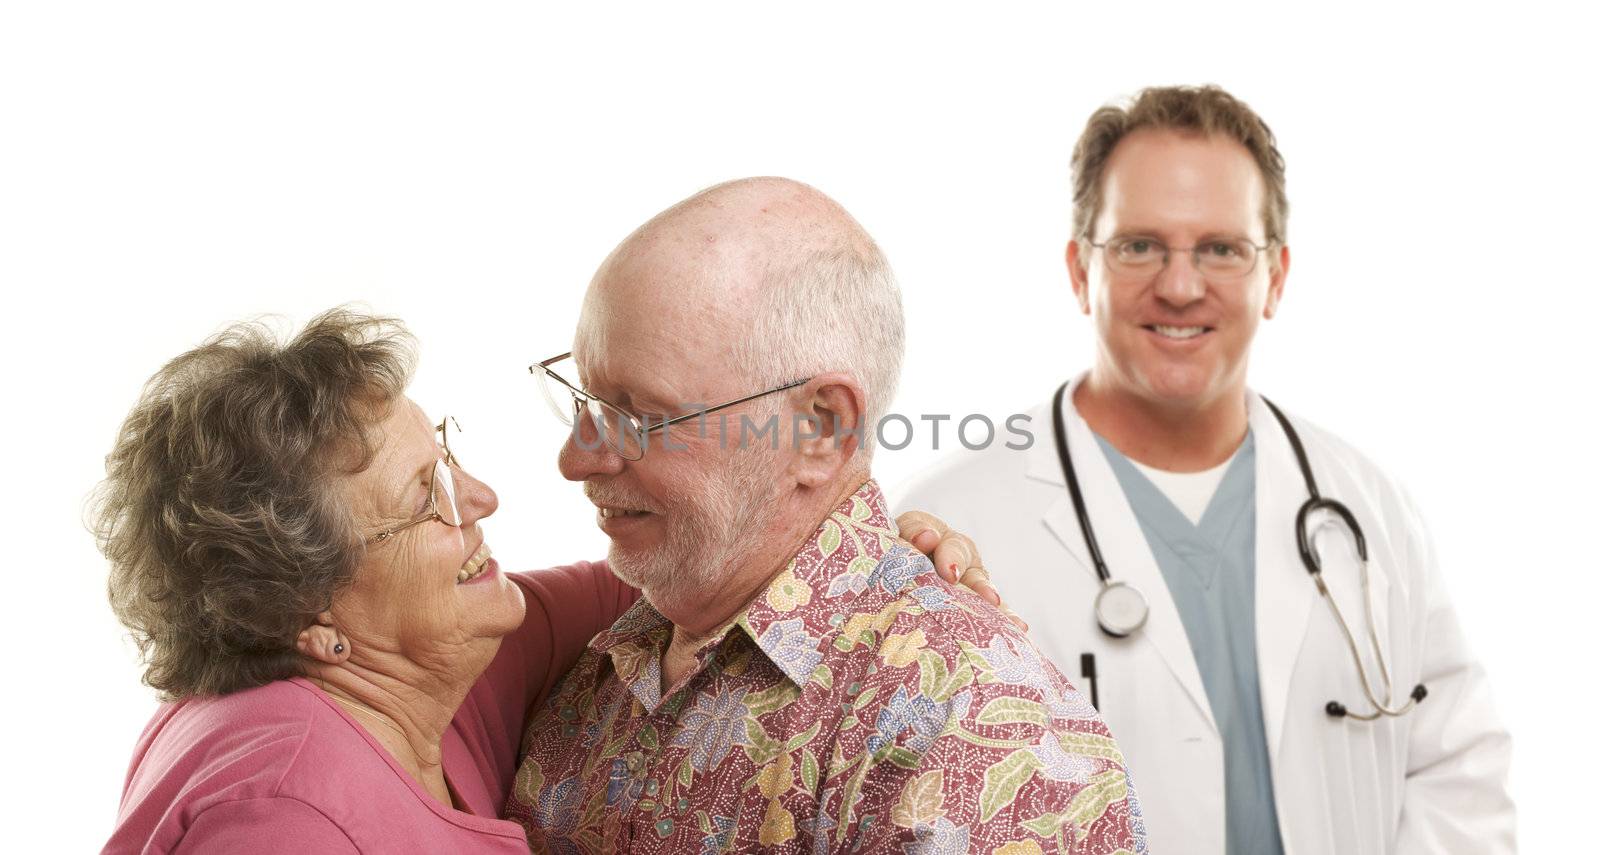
pixel 1071 473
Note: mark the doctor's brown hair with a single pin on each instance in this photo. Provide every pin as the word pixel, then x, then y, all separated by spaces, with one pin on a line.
pixel 1205 110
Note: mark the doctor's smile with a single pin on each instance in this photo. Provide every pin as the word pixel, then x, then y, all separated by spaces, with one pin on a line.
pixel 1179 339
pixel 1177 332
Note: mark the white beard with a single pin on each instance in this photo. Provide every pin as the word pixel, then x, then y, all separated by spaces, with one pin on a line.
pixel 705 535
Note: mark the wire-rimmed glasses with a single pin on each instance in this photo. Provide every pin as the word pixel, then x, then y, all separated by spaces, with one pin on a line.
pixel 627 434
pixel 1219 260
pixel 442 506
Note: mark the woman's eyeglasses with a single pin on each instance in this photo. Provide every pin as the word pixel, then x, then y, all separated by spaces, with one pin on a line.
pixel 442 505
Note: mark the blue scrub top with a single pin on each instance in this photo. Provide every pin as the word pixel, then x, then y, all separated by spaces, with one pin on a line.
pixel 1210 569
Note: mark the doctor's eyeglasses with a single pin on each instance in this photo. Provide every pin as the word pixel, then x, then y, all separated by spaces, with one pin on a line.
pixel 1220 260
pixel 442 506
pixel 627 434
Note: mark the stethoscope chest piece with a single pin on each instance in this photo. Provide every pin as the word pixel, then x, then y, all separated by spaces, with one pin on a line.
pixel 1120 609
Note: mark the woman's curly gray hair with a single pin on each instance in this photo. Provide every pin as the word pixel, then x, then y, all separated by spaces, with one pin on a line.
pixel 219 513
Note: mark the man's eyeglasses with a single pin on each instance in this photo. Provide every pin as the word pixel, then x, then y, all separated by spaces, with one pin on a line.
pixel 1220 260
pixel 442 505
pixel 626 433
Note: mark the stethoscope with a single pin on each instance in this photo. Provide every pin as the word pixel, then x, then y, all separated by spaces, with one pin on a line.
pixel 1121 609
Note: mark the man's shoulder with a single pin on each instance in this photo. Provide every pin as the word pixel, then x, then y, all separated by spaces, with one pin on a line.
pixel 863 620
pixel 900 588
pixel 931 635
pixel 964 630
pixel 950 704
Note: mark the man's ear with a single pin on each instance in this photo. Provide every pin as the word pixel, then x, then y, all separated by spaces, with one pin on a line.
pixel 1078 270
pixel 322 642
pixel 1278 273
pixel 830 426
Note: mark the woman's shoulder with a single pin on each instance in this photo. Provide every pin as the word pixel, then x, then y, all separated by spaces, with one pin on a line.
pixel 249 740
pixel 258 724
pixel 255 744
pixel 281 768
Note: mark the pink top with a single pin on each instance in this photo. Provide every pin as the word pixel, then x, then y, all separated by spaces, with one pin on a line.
pixel 282 768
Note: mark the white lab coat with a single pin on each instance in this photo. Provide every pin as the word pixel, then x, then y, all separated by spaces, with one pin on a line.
pixel 1431 781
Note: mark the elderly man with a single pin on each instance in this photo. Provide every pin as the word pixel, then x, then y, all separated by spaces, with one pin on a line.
pixel 797 678
pixel 1256 606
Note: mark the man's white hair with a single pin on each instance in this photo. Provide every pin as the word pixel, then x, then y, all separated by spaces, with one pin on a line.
pixel 834 309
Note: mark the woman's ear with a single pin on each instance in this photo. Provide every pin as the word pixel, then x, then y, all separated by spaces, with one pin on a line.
pixel 322 642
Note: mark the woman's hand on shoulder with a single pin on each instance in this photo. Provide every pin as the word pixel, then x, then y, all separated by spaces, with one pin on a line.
pixel 954 556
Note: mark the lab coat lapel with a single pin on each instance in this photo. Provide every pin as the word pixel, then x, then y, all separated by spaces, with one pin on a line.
pixel 1284 591
pixel 1122 542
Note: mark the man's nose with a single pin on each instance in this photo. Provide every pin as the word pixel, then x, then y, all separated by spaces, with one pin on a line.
pixel 586 454
pixel 1179 283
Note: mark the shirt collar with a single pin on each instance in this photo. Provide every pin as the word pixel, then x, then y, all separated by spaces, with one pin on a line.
pixel 635 626
pixel 833 566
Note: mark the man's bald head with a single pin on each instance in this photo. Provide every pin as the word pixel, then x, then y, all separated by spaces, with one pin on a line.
pixel 741 227
pixel 762 279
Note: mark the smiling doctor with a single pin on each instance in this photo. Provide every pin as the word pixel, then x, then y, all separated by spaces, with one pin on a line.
pixel 1254 607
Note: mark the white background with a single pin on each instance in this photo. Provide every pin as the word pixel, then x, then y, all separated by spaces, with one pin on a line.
pixel 165 169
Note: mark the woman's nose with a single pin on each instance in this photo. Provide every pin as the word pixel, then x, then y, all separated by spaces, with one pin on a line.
pixel 478 500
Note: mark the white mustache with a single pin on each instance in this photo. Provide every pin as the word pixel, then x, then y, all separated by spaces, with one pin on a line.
pixel 612 499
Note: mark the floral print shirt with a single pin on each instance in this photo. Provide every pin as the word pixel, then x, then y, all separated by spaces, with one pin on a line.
pixel 859 704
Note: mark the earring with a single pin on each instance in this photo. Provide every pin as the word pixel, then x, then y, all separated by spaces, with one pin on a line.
pixel 338 649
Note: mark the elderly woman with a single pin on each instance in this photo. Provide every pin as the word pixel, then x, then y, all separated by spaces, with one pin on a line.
pixel 301 562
